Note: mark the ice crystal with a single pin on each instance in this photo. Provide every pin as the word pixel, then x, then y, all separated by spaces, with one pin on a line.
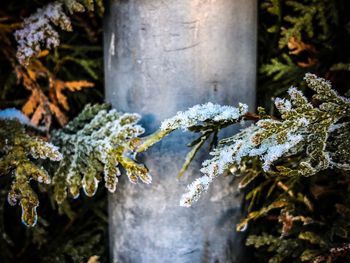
pixel 95 142
pixel 195 189
pixel 303 130
pixel 276 151
pixel 38 31
pixel 202 113
pixel 16 148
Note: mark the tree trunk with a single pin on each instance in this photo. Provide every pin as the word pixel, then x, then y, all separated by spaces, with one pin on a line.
pixel 162 57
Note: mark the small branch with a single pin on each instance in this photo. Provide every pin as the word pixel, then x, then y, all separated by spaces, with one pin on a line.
pixel 285 188
pixel 148 141
pixel 191 155
pixel 251 116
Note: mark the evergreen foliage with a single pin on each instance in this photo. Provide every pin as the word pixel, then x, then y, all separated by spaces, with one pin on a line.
pixel 94 143
pixel 51 89
pixel 17 153
pixel 297 37
pixel 283 161
pixel 37 29
pixel 293 166
pixel 48 75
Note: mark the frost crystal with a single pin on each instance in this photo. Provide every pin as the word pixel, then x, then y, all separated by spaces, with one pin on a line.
pixel 97 141
pixel 242 145
pixel 303 130
pixel 195 190
pixel 274 152
pixel 201 113
pixel 38 31
pixel 16 150
pixel 283 105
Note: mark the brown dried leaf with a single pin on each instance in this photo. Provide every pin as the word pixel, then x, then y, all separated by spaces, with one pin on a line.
pixel 78 85
pixel 287 222
pixel 43 53
pixel 94 259
pixel 31 104
pixel 310 62
pixel 36 69
pixel 38 115
pixel 60 116
pixel 58 86
pixel 39 105
pixel 318 191
pixel 296 46
pixel 343 210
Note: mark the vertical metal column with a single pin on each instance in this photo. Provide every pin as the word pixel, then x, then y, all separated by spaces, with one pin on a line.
pixel 162 56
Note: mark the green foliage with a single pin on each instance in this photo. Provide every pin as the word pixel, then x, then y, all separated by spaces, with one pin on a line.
pixel 314 218
pixel 310 228
pixel 73 235
pixel 290 165
pixel 94 143
pixel 17 153
pixel 284 248
pixel 291 215
pixel 297 37
pixel 307 15
pixel 74 230
pixel 78 57
pixel 83 5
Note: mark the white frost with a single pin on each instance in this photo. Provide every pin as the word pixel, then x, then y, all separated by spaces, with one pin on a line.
pixel 38 31
pixel 201 113
pixel 195 190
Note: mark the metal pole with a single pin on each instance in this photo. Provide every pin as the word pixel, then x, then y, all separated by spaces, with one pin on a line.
pixel 160 57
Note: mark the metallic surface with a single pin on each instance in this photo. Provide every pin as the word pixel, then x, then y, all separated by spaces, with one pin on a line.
pixel 162 57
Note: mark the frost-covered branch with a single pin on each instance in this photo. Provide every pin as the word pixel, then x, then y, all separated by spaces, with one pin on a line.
pixel 207 113
pixel 95 142
pixel 302 130
pixel 38 31
pixel 16 157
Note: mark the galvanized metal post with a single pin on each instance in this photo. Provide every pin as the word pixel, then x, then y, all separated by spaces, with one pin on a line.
pixel 160 57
